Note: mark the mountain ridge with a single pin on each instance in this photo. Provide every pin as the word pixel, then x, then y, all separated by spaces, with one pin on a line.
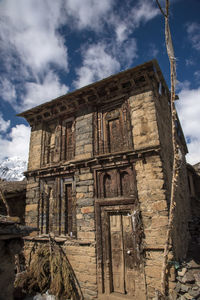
pixel 12 169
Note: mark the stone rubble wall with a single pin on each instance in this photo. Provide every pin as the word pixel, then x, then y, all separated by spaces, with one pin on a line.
pixel 32 200
pixel 84 135
pixel 152 188
pixel 188 281
pixel 143 119
pixel 182 216
pixel 35 148
pixel 83 261
pixel 153 205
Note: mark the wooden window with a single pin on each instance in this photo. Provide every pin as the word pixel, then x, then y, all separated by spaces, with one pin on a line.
pixel 57 207
pixel 70 211
pixel 127 183
pixel 116 182
pixel 58 141
pixel 112 130
pixel 107 186
pixel 45 213
pixel 115 138
pixel 68 140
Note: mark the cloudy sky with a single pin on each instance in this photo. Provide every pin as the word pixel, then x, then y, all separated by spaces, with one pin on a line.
pixel 49 48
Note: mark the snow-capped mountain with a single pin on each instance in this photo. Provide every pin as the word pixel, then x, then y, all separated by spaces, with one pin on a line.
pixel 12 169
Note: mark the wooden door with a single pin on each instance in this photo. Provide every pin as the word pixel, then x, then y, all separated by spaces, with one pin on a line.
pixel 120 270
pixel 122 253
pixel 117 253
pixel 130 255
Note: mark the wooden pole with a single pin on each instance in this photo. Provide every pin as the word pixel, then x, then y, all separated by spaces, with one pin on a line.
pixel 175 147
pixel 5 202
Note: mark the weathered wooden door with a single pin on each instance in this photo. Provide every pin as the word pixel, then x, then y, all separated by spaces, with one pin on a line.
pixel 118 260
pixel 122 253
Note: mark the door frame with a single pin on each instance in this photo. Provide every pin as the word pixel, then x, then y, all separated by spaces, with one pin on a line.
pixel 104 276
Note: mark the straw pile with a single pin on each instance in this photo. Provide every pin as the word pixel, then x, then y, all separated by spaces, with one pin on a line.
pixel 49 270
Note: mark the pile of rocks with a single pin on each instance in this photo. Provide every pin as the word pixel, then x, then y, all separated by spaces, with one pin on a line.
pixel 188 281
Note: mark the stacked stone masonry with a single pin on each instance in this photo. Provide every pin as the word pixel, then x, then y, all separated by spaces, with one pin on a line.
pixel 121 165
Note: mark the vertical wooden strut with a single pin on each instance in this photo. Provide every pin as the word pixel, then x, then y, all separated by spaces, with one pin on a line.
pixel 5 202
pixel 175 147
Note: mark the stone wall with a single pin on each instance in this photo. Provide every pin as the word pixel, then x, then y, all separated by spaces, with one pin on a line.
pixel 153 205
pixel 82 258
pixel 182 212
pixel 35 147
pixel 32 200
pixel 143 119
pixel 84 135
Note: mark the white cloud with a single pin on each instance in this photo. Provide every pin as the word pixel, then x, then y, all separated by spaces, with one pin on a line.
pixel 188 108
pixel 88 13
pixel 4 125
pixel 121 32
pixel 16 143
pixel 97 64
pixel 193 30
pixel 153 51
pixel 8 91
pixel 39 92
pixel 29 33
pixel 185 85
pixel 125 23
pixel 144 11
pixel 197 75
pixel 127 51
pixel 189 62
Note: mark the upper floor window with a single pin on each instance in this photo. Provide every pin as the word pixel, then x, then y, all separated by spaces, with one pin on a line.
pixel 58 141
pixel 112 130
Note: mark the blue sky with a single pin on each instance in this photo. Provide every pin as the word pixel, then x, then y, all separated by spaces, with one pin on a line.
pixel 49 48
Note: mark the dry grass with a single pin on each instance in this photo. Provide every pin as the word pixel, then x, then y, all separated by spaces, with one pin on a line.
pixel 49 269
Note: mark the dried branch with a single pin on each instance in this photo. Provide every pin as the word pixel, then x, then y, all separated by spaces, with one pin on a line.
pixel 162 11
pixel 175 148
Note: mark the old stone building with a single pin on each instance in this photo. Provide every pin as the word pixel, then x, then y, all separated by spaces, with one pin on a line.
pixel 98 180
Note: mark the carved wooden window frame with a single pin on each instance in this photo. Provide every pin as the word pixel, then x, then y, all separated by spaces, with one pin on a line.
pixel 57 214
pixel 102 117
pixel 60 147
pixel 115 173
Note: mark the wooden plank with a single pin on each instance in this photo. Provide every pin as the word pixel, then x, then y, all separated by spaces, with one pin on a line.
pixel 129 254
pixel 117 253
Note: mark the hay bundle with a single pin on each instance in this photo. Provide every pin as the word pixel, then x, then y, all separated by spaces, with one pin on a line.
pixel 49 270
